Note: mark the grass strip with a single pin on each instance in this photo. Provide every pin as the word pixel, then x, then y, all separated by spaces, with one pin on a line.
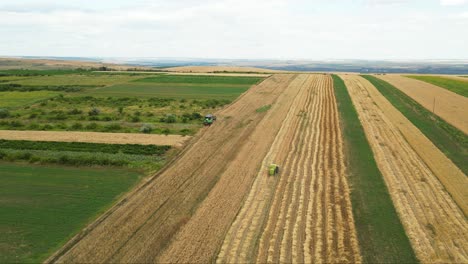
pixel 450 140
pixel 456 86
pixel 84 147
pixel 381 236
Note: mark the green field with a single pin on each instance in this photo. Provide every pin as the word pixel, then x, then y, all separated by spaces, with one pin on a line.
pixel 450 140
pixel 381 236
pixel 16 99
pixel 180 86
pixel 171 90
pixel 42 207
pixel 457 86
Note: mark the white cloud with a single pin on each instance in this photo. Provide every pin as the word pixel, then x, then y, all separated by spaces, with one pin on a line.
pixel 314 29
pixel 453 2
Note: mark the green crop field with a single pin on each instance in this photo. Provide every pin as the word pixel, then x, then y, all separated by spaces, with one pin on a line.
pixel 457 86
pixel 171 90
pixel 77 79
pixel 201 79
pixel 16 99
pixel 181 86
pixel 42 207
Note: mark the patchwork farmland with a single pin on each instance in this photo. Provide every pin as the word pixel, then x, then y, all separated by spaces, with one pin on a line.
pixel 362 177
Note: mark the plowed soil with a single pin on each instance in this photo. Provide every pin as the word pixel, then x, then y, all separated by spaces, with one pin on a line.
pixel 95 137
pixel 418 177
pixel 450 106
pixel 304 214
pixel 217 168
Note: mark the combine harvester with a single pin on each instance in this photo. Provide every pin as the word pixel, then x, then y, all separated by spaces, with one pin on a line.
pixel 209 119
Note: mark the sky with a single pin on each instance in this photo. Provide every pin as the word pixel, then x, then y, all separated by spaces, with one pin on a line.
pixel 236 29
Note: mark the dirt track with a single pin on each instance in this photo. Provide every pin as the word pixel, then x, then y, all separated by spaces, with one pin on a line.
pixel 217 167
pixel 450 106
pixel 413 169
pixel 95 137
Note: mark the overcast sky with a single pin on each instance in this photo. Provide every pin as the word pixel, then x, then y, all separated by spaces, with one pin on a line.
pixel 255 29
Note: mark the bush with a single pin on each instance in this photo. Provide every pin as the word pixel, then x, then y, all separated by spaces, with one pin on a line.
pixel 75 112
pixel 146 128
pixel 112 127
pixel 135 119
pixel 4 113
pixel 166 131
pixel 33 126
pixel 185 131
pixel 94 112
pixel 91 126
pixel 77 126
pixel 169 118
pixel 16 124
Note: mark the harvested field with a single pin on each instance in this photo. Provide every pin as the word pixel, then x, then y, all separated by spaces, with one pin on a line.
pixel 95 137
pixel 310 218
pixel 141 226
pixel 449 106
pixel 200 239
pixel 418 177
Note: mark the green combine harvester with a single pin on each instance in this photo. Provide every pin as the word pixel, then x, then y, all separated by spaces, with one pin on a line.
pixel 209 119
pixel 273 169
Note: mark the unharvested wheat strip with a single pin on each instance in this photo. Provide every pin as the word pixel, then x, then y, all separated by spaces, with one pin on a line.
pixel 435 225
pixel 288 243
pixel 240 235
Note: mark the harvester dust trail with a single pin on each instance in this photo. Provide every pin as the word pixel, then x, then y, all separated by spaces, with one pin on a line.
pixel 415 173
pixel 202 188
pixel 276 222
